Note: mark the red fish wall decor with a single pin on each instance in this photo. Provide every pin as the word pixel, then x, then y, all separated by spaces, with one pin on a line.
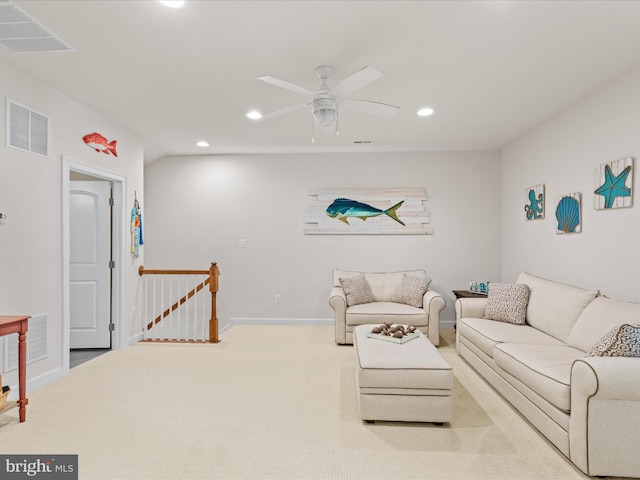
pixel 100 144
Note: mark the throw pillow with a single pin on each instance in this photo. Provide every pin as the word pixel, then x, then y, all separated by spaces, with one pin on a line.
pixel 411 290
pixel 356 289
pixel 507 303
pixel 621 341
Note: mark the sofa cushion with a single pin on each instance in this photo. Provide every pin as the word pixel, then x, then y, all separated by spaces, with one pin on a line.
pixel 599 318
pixel 486 334
pixel 380 312
pixel 554 307
pixel 507 303
pixel 545 369
pixel 621 341
pixel 356 289
pixel 411 290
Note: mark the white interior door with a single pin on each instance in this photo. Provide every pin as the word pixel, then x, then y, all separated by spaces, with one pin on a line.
pixel 90 253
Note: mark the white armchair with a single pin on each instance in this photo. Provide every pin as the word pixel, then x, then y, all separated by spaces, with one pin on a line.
pixel 389 293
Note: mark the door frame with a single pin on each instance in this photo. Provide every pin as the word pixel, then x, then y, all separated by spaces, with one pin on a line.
pixel 119 185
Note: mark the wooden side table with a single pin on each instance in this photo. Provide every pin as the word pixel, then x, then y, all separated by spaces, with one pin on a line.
pixel 468 294
pixel 19 325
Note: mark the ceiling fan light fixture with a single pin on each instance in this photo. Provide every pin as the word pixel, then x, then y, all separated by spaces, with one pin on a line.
pixel 254 115
pixel 425 112
pixel 325 111
pixel 202 143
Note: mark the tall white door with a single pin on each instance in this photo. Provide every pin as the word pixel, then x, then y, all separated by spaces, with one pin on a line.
pixel 90 275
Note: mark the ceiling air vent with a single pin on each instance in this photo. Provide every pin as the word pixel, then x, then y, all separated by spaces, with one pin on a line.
pixel 19 33
pixel 27 130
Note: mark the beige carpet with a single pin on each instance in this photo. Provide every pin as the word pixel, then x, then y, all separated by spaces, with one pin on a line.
pixel 269 402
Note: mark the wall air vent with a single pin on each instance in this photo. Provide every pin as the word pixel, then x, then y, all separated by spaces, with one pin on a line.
pixel 19 33
pixel 27 130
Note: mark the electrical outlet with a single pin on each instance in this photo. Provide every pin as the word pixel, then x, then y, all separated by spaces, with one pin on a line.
pixel 3 217
pixel 278 299
pixel 242 243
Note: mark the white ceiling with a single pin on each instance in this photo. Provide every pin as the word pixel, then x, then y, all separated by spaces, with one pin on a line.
pixel 492 70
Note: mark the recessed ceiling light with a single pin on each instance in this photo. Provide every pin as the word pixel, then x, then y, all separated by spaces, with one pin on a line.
pixel 172 3
pixel 254 115
pixel 202 143
pixel 425 112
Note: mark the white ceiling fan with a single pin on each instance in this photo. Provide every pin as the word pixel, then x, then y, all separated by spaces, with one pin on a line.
pixel 326 101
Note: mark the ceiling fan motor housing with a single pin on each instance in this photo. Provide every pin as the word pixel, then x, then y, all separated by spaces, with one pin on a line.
pixel 325 111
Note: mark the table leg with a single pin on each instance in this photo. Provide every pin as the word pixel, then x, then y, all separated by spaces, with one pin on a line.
pixel 22 374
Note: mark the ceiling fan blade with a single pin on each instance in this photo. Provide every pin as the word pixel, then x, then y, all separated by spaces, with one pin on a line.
pixel 283 111
pixel 371 107
pixel 356 80
pixel 286 85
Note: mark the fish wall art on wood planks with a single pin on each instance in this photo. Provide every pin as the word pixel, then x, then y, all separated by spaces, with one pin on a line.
pixel 367 211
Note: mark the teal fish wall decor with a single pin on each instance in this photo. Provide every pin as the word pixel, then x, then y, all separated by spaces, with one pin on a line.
pixel 343 208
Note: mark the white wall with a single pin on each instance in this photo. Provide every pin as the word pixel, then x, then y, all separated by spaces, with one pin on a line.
pixel 198 208
pixel 31 196
pixel 563 154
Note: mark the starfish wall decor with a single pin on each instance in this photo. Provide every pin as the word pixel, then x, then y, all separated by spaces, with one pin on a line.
pixel 614 184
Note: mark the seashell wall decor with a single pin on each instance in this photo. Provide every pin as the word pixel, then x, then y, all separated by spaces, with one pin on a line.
pixel 568 213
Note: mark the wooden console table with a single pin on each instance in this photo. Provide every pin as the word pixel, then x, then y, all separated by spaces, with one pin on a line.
pixel 19 325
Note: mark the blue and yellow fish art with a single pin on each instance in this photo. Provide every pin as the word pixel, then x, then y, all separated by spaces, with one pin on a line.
pixel 343 208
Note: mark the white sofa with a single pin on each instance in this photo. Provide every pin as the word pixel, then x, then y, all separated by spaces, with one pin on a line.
pixel 382 309
pixel 587 406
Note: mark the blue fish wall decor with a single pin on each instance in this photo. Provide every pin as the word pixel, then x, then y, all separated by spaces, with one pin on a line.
pixel 343 208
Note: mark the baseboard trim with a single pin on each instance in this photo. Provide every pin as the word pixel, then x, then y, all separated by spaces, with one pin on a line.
pixel 37 382
pixel 134 339
pixel 278 321
pixel 447 324
pixel 444 324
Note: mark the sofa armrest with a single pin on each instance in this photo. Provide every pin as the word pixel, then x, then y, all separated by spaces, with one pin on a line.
pixel 338 301
pixel 605 412
pixel 470 307
pixel 433 303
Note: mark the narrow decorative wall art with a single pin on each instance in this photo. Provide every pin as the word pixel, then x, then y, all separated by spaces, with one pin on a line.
pixel 367 211
pixel 568 213
pixel 534 202
pixel 614 184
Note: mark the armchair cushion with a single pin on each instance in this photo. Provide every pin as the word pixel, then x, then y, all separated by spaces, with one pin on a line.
pixel 356 289
pixel 411 290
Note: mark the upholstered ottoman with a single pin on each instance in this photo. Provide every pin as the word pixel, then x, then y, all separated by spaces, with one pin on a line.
pixel 408 382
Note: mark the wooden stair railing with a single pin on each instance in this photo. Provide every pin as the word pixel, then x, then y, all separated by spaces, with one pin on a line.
pixel 175 306
pixel 211 280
